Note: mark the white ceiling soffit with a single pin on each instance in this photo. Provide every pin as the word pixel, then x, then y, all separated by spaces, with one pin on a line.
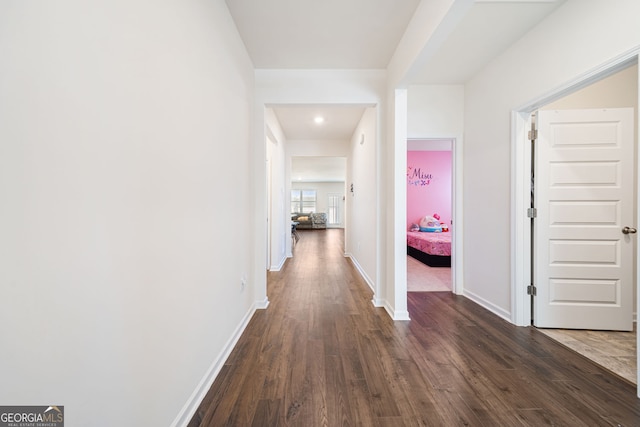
pixel 363 34
pixel 340 34
pixel 340 121
pixel 489 28
pixel 318 169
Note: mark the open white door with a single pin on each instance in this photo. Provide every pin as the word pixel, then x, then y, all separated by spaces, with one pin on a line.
pixel 584 187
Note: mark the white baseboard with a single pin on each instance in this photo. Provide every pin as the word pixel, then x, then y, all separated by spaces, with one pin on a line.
pixel 189 409
pixel 395 315
pixel 489 306
pixel 279 266
pixel 401 315
pixel 376 301
pixel 366 278
pixel 261 305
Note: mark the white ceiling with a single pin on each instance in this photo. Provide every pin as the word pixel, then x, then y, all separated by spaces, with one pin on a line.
pixel 321 34
pixel 339 121
pixel 363 34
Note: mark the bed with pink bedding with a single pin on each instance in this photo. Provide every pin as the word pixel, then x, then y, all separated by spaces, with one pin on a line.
pixel 433 249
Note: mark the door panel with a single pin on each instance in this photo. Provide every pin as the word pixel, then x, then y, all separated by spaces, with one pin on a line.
pixel 584 197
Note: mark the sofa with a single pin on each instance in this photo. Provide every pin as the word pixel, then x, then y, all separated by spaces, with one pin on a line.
pixel 313 220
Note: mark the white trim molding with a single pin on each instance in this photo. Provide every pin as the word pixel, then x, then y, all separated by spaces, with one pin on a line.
pixel 363 274
pixel 498 311
pixel 280 265
pixel 191 406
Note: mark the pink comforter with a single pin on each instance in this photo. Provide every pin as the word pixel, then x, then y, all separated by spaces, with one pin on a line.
pixel 430 243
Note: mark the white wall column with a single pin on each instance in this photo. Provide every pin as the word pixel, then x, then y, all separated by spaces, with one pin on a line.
pixel 396 289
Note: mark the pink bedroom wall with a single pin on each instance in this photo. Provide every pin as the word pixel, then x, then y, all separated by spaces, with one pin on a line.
pixel 428 185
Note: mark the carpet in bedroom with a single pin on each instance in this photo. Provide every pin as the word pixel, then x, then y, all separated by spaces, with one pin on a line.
pixel 422 278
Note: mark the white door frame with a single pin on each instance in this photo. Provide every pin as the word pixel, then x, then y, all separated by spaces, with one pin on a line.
pixel 521 185
pixel 456 210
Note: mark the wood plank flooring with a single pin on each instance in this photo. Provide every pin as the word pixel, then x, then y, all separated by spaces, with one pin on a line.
pixel 322 355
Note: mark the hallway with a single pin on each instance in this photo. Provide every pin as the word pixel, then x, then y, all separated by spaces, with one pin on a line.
pixel 322 355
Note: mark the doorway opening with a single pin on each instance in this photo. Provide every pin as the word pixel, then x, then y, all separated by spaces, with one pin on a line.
pixel 348 133
pixel 317 191
pixel 429 215
pixel 317 194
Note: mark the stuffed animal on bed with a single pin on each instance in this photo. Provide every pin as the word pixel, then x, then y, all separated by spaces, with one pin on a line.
pixel 430 224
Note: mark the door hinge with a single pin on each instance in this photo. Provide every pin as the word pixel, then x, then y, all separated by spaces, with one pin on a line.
pixel 533 134
pixel 532 212
pixel 531 290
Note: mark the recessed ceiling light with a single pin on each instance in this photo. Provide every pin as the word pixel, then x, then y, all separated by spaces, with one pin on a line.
pixel 319 119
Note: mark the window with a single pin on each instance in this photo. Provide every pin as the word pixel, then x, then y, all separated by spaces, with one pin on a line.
pixel 303 201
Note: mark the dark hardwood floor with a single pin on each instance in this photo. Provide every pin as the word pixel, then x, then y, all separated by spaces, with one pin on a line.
pixel 322 355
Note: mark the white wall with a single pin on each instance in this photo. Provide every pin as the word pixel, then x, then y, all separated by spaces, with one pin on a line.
pixel 121 126
pixel 316 148
pixel 577 38
pixel 279 219
pixel 435 111
pixel 362 216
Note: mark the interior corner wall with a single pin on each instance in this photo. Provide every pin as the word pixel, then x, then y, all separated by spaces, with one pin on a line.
pixel 509 82
pixel 279 210
pixel 122 125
